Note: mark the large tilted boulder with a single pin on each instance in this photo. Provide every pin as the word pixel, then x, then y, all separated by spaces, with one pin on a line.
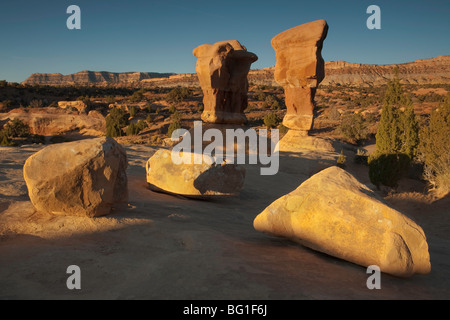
pixel 204 180
pixel 81 178
pixel 335 214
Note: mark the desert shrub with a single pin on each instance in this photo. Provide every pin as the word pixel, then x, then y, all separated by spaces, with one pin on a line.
pixel 110 99
pixel 178 94
pixel 116 120
pixel 131 129
pixel 334 114
pixel 4 139
pixel 141 124
pixel 136 128
pixel 354 128
pixel 174 125
pixel 132 110
pixel 16 129
pixel 137 95
pixel 36 103
pixel 387 169
pixel 172 109
pixel 260 96
pixel 271 120
pixel 282 129
pixel 271 102
pixel 341 160
pixel 6 104
pixel 434 148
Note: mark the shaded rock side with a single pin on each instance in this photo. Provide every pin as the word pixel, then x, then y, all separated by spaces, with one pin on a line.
pixel 207 179
pixel 335 214
pixel 81 178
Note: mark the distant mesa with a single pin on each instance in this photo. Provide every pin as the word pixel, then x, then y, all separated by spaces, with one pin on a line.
pixel 424 71
pixel 92 77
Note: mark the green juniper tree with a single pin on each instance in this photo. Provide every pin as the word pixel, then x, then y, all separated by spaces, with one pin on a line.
pixel 116 120
pixel 397 137
pixel 434 148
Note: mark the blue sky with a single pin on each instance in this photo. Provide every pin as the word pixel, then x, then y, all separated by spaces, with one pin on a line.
pixel 159 36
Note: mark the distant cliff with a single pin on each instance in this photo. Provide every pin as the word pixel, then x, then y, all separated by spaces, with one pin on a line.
pixel 424 71
pixel 92 77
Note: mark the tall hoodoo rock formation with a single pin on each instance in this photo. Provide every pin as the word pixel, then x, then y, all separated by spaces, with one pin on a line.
pixel 222 70
pixel 299 69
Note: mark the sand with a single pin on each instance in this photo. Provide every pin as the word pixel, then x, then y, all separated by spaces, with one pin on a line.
pixel 160 246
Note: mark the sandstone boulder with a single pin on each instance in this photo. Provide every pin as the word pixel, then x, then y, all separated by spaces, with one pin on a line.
pixel 299 69
pixel 81 178
pixel 204 180
pixel 222 70
pixel 335 214
pixel 79 105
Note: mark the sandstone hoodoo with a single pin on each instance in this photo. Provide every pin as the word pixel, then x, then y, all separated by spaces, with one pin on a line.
pixel 222 70
pixel 299 69
pixel 334 213
pixel 203 180
pixel 81 178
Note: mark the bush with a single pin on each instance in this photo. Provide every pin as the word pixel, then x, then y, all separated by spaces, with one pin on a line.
pixel 334 114
pixel 4 139
pixel 16 129
pixel 271 120
pixel 137 96
pixel 354 128
pixel 271 102
pixel 36 104
pixel 172 109
pixel 433 149
pixel 178 94
pixel 387 169
pixel 282 129
pixel 116 120
pixel 341 160
pixel 132 110
pixel 172 127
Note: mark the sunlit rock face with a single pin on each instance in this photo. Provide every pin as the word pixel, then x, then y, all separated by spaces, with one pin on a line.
pixel 81 178
pixel 196 176
pixel 222 70
pixel 299 69
pixel 335 214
